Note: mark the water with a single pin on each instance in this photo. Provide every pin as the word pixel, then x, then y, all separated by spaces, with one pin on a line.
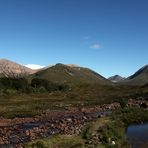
pixel 137 135
pixel 27 126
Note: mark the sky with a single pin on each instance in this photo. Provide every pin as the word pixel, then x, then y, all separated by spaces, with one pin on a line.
pixel 108 36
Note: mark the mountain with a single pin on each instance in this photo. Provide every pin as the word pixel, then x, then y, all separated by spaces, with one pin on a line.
pixel 116 78
pixel 12 69
pixel 138 78
pixel 74 74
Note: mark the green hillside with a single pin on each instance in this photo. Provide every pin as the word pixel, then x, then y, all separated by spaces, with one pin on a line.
pixel 61 73
pixel 138 78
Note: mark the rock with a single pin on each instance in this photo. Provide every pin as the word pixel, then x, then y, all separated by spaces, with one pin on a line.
pixel 113 143
pixel 69 119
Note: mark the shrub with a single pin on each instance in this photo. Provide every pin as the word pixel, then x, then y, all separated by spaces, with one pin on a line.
pixel 123 102
pixel 19 84
pixel 38 82
pixel 40 144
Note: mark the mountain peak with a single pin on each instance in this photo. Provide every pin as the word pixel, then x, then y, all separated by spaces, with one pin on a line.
pixel 5 60
pixel 116 78
pixel 69 65
pixel 11 69
pixel 59 64
pixel 72 74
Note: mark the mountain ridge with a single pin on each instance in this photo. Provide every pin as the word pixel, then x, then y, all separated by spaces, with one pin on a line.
pixel 70 73
pixel 140 77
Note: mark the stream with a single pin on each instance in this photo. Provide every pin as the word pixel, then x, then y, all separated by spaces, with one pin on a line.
pixel 137 135
pixel 17 133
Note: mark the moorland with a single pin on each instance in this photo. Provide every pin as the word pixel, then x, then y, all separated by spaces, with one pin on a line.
pixel 64 101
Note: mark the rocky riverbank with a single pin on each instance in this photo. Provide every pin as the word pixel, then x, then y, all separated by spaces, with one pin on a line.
pixel 16 132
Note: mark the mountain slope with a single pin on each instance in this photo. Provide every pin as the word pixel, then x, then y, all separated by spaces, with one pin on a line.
pixel 138 78
pixel 116 78
pixel 12 69
pixel 61 73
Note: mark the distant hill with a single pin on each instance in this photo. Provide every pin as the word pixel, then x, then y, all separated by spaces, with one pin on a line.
pixel 116 78
pixel 71 73
pixel 138 78
pixel 74 74
pixel 12 69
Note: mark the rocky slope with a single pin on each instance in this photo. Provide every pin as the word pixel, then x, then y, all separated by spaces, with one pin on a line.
pixel 12 69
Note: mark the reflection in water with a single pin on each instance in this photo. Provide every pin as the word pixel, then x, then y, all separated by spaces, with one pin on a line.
pixel 137 135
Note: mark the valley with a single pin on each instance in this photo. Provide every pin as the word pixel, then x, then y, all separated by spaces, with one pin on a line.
pixel 73 74
pixel 63 100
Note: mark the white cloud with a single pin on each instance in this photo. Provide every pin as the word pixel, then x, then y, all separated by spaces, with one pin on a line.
pixel 34 66
pixel 95 46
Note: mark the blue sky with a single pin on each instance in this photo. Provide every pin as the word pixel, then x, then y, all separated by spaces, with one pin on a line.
pixel 108 36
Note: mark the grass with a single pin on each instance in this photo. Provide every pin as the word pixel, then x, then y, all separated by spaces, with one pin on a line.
pixel 23 105
pixel 58 141
pixel 130 115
